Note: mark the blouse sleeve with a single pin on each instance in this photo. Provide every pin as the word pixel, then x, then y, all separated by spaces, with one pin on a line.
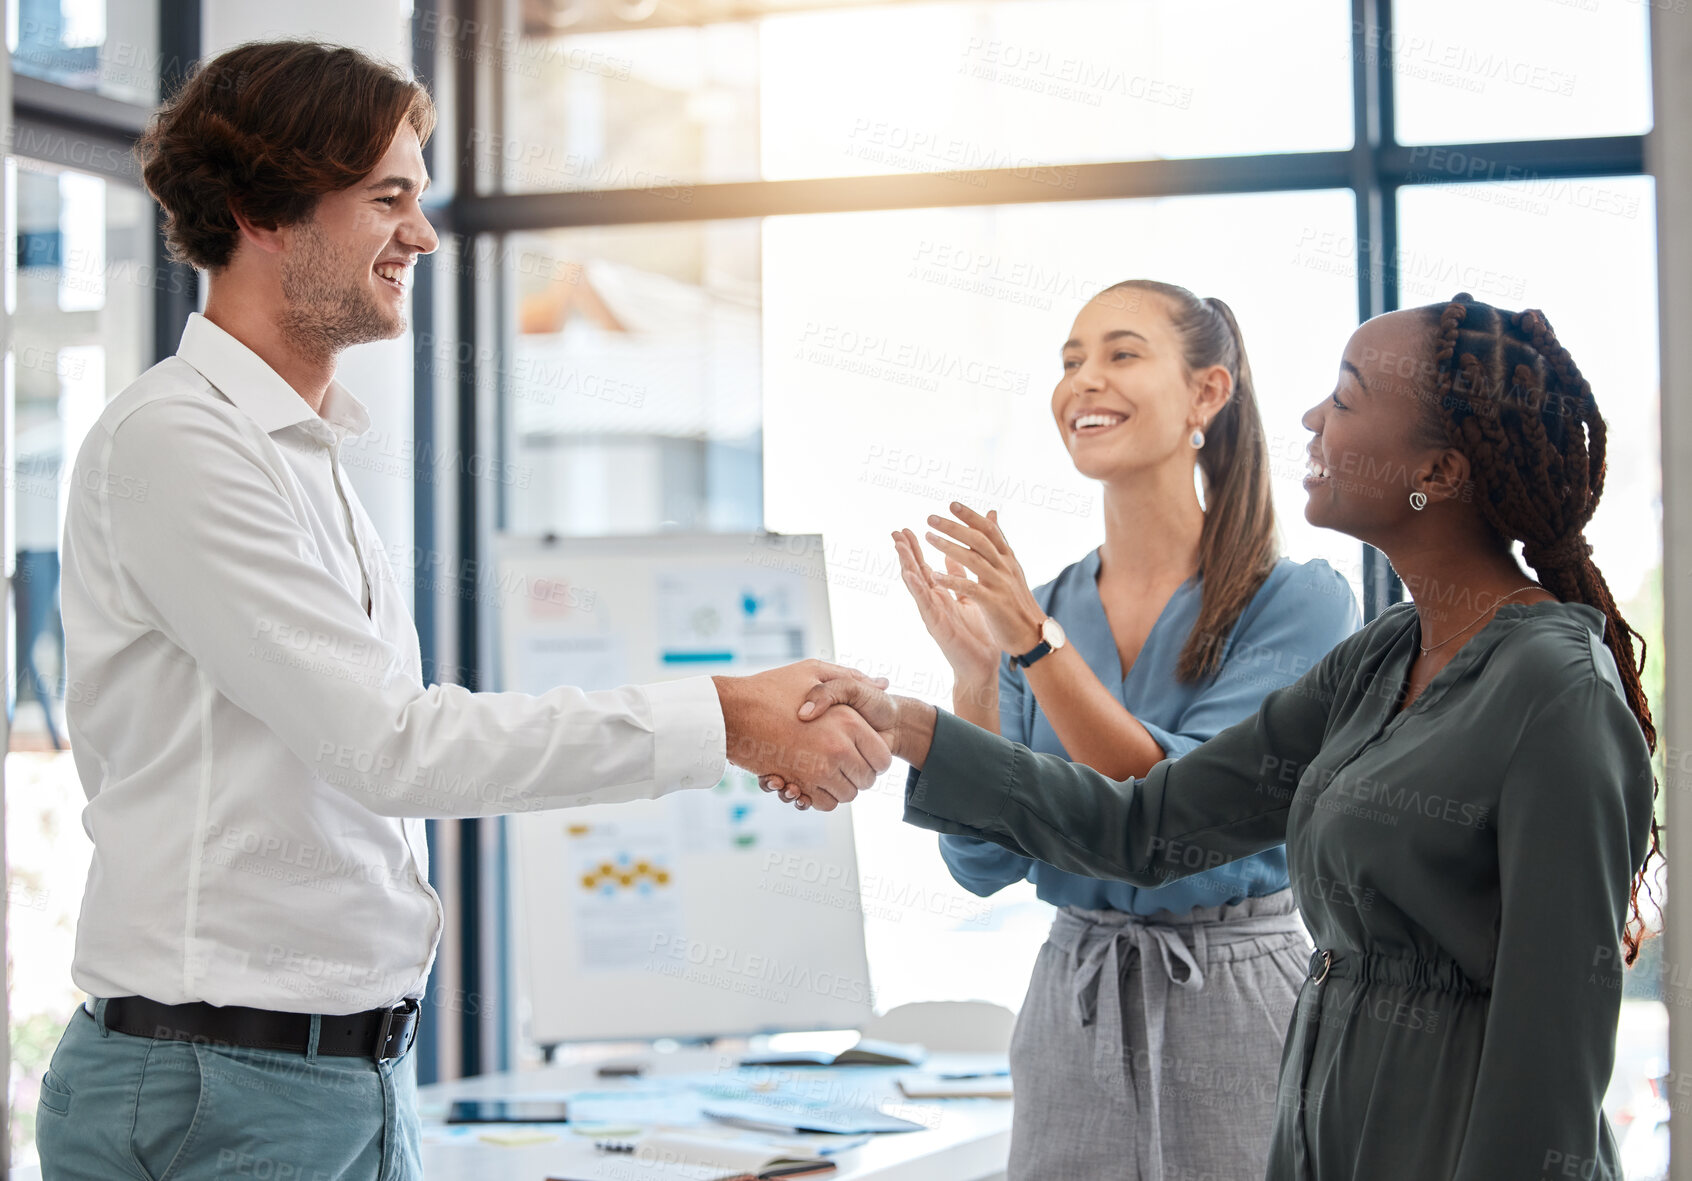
pixel 1299 624
pixel 980 866
pixel 1573 824
pixel 1226 799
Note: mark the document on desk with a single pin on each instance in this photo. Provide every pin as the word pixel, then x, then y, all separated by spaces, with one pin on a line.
pixel 794 1113
pixel 701 1158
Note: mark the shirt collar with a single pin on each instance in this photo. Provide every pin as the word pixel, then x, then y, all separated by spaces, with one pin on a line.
pixel 257 390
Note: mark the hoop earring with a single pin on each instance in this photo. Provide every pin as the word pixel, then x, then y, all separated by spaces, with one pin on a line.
pixel 1418 501
pixel 1196 439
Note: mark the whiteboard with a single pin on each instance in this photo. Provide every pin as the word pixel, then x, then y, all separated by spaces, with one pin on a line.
pixel 707 912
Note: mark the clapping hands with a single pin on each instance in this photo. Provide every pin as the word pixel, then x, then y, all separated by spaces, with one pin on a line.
pixel 972 619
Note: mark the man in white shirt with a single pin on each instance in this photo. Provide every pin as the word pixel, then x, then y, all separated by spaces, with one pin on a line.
pixel 261 751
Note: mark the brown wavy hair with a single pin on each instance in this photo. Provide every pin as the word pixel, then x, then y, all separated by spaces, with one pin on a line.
pixel 1507 395
pixel 267 129
pixel 1237 545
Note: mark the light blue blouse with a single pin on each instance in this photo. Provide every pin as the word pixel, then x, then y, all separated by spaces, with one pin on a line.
pixel 1299 613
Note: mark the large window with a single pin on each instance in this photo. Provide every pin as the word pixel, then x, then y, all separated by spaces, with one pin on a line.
pixel 88 302
pixel 909 202
pixel 630 391
pixel 110 47
pixel 922 371
pixel 79 287
pixel 854 89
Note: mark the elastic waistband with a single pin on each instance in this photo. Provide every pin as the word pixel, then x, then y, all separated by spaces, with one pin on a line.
pixel 1072 926
pixel 1373 967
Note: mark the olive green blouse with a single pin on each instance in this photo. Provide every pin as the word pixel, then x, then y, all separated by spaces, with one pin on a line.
pixel 1463 865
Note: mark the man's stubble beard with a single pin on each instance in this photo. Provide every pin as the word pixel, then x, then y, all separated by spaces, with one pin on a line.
pixel 326 313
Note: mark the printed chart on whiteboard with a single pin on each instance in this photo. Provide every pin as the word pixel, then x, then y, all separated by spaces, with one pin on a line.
pixel 658 917
pixel 625 889
pixel 740 617
pixel 739 815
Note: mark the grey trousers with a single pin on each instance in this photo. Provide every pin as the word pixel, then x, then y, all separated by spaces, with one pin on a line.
pixel 1150 1051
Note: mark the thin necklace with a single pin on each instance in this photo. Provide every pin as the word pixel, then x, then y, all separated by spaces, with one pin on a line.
pixel 1481 616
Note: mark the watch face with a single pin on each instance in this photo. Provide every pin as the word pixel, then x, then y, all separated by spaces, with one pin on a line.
pixel 1051 631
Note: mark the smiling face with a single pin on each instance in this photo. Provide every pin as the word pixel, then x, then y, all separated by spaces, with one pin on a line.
pixel 1125 401
pixel 1372 447
pixel 345 272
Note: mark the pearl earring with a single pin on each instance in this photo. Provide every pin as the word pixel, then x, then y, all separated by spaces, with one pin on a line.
pixel 1196 439
pixel 1418 501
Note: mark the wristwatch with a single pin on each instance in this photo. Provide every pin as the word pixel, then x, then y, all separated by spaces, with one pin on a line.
pixel 1051 639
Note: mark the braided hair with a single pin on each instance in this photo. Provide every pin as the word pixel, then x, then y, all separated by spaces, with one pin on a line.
pixel 1510 398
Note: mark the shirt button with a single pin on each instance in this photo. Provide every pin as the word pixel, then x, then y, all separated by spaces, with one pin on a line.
pixel 687 781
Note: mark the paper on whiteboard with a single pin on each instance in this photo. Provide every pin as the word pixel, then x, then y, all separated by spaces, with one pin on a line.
pixel 582 660
pixel 738 814
pixel 623 890
pixel 738 615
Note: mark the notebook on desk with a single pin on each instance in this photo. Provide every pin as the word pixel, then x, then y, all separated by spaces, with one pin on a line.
pixel 698 1158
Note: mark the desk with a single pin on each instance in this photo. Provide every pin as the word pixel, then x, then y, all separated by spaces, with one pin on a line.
pixel 966 1140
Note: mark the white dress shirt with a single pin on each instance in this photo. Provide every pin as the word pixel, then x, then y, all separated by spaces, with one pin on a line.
pixel 248 715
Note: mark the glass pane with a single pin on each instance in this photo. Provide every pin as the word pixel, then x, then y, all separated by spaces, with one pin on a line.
pixel 1520 69
pixel 632 397
pixel 918 88
pixel 1598 287
pixel 936 88
pixel 79 287
pixel 909 359
pixel 108 46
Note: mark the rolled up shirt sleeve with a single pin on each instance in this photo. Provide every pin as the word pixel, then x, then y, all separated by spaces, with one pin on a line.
pixel 215 561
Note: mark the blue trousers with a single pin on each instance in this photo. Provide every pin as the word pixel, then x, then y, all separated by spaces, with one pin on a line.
pixel 145 1109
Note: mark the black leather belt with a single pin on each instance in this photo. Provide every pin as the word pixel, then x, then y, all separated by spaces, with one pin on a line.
pixel 376 1033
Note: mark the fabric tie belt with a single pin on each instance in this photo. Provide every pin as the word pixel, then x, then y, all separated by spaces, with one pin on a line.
pixel 1102 945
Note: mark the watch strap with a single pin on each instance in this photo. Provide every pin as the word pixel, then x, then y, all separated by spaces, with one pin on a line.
pixel 1030 656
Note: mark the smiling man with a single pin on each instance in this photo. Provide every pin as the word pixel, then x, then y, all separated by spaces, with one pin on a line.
pixel 259 749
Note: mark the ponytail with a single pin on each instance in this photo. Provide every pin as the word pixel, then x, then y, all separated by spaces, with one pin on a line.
pixel 1237 546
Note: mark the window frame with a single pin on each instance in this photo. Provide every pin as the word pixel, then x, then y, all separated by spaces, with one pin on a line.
pixel 1374 168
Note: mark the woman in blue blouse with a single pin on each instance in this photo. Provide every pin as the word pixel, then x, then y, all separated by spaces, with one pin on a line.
pixel 1150 1040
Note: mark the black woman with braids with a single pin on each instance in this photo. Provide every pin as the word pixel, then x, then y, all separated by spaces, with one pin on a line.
pixel 1464 786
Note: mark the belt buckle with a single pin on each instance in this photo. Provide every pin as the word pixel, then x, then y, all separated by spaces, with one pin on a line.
pixel 1327 959
pixel 408 1009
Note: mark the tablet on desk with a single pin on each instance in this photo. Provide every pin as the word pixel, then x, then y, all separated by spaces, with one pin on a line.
pixel 507 1111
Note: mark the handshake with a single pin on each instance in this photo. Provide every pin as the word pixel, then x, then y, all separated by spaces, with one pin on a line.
pixel 820 733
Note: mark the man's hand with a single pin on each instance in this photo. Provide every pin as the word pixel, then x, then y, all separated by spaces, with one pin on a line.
pixel 905 724
pixel 820 765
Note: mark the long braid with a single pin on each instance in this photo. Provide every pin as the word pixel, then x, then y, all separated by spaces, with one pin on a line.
pixel 1510 397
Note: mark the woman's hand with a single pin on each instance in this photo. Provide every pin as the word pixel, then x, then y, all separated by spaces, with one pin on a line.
pixel 955 621
pixel 903 723
pixel 999 592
